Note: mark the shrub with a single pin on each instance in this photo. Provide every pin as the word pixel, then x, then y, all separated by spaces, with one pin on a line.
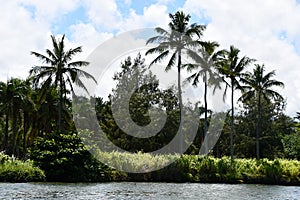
pixel 12 170
pixel 64 157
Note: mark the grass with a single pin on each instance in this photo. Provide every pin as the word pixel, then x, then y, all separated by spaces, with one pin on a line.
pixel 170 168
pixel 192 168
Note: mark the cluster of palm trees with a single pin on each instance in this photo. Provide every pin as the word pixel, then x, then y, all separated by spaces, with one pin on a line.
pixel 212 66
pixel 32 106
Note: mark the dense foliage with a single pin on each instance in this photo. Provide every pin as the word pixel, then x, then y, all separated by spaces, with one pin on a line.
pixel 64 157
pixel 36 118
pixel 13 170
pixel 192 168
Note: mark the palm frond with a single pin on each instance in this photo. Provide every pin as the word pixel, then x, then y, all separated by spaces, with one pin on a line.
pixel 76 73
pixel 43 58
pixel 70 54
pixel 160 57
pixel 155 50
pixel 78 64
pixel 156 39
pixel 171 62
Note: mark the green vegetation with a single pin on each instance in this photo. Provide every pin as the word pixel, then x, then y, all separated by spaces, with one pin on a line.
pixel 13 170
pixel 63 157
pixel 192 168
pixel 37 122
pixel 209 169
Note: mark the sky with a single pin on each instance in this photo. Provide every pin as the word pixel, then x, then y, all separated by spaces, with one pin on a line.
pixel 268 30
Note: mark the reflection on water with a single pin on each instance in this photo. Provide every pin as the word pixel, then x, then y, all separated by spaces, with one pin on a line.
pixel 162 191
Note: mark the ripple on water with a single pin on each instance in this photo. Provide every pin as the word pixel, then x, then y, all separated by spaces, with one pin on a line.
pixel 129 190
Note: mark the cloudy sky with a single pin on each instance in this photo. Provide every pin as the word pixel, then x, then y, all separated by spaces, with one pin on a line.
pixel 266 30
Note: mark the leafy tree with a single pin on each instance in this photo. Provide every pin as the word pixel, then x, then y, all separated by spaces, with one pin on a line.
pixel 59 70
pixel 291 144
pixel 275 125
pixel 232 67
pixel 135 78
pixel 174 42
pixel 64 157
pixel 259 85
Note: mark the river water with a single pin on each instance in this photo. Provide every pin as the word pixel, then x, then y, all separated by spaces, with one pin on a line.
pixel 144 191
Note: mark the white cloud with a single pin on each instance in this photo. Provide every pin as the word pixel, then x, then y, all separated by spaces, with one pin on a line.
pixel 153 16
pixel 87 36
pixel 19 34
pixel 103 13
pixel 128 2
pixel 48 10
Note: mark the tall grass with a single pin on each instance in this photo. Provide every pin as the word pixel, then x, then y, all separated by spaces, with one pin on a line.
pixel 192 168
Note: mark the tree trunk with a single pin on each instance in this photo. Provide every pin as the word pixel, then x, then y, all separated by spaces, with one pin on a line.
pixel 205 114
pixel 60 103
pixel 232 122
pixel 258 125
pixel 5 140
pixel 25 121
pixel 14 131
pixel 180 103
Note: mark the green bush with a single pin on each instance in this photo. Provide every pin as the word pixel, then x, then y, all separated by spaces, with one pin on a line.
pixel 64 157
pixel 12 170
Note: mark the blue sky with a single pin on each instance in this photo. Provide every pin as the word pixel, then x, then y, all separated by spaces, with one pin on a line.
pixel 266 30
pixel 80 13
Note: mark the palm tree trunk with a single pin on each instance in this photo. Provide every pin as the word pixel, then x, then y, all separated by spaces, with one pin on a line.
pixel 232 122
pixel 205 114
pixel 180 103
pixel 25 121
pixel 5 141
pixel 14 131
pixel 258 125
pixel 60 103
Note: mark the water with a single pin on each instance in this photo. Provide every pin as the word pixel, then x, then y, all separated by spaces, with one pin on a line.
pixel 144 191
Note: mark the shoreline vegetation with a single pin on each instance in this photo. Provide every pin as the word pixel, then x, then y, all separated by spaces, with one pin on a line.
pixel 40 116
pixel 187 168
pixel 14 170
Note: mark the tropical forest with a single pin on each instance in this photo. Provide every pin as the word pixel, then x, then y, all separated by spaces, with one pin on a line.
pixel 258 142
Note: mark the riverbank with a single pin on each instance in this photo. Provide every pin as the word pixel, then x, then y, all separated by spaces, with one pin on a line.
pixel 186 168
pixel 195 169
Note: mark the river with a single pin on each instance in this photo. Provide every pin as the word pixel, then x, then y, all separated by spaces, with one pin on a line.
pixel 144 191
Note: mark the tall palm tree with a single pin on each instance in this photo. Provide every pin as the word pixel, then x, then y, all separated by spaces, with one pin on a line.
pixel 174 42
pixel 28 111
pixel 258 85
pixel 14 95
pixel 232 67
pixel 206 60
pixel 59 70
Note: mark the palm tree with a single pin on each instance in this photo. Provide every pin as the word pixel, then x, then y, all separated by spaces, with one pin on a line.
pixel 5 110
pixel 174 42
pixel 14 95
pixel 206 60
pixel 232 67
pixel 258 85
pixel 60 69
